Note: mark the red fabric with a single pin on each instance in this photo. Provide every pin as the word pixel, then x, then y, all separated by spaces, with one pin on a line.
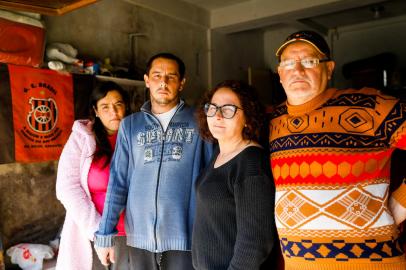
pixel 401 143
pixel 21 44
pixel 376 165
pixel 43 112
pixel 98 180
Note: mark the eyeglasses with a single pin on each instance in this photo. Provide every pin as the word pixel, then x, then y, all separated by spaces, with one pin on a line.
pixel 227 111
pixel 290 64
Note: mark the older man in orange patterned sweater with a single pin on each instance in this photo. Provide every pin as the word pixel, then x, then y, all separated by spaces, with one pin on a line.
pixel 330 156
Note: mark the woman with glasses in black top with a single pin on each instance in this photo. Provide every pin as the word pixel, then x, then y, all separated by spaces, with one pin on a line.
pixel 234 222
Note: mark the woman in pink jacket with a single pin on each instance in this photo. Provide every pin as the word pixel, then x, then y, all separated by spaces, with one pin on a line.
pixel 83 174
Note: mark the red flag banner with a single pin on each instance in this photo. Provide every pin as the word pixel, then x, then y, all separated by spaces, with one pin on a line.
pixel 43 112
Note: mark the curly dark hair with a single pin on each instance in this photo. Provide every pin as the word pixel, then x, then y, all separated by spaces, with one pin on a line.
pixel 253 110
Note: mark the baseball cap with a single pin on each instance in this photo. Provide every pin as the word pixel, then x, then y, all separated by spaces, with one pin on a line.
pixel 311 37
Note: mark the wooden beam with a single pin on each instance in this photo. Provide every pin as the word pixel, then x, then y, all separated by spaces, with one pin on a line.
pixel 45 7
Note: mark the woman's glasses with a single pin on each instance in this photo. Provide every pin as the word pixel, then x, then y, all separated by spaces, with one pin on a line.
pixel 227 111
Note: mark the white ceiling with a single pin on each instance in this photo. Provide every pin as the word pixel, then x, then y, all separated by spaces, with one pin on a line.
pixel 361 14
pixel 214 4
pixel 315 14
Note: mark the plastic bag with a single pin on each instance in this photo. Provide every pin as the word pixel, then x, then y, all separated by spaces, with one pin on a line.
pixel 30 256
pixel 63 52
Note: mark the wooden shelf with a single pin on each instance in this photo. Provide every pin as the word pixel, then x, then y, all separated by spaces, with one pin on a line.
pixel 121 81
pixel 45 7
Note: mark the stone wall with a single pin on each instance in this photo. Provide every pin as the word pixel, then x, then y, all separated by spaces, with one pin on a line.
pixel 29 210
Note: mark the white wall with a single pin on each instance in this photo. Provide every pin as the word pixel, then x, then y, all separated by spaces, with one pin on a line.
pixel 366 40
pixel 353 43
pixel 188 41
pixel 273 38
pixel 232 54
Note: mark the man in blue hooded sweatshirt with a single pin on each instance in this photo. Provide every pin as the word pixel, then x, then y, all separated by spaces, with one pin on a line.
pixel 159 153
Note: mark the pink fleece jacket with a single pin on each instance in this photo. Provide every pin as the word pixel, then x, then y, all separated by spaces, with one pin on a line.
pixel 82 219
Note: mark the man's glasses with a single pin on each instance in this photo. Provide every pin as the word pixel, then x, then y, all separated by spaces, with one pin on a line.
pixel 227 111
pixel 290 64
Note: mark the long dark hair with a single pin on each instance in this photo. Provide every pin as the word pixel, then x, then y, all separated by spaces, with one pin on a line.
pixel 103 148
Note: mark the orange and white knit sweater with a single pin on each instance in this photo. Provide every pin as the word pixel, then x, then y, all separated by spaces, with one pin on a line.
pixel 330 160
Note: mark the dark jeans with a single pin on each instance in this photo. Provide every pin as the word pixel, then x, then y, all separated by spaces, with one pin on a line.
pixel 141 259
pixel 121 252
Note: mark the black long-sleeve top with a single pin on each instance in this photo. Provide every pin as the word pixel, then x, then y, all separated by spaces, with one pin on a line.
pixel 234 222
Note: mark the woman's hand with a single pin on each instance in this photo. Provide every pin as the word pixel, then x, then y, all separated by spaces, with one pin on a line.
pixel 106 255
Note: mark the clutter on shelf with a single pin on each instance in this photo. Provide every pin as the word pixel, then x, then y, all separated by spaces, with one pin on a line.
pixel 64 57
pixel 22 38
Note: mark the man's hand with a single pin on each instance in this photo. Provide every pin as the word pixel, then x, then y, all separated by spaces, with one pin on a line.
pixel 398 211
pixel 106 255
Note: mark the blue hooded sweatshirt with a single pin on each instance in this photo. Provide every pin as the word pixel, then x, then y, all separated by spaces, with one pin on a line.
pixel 152 176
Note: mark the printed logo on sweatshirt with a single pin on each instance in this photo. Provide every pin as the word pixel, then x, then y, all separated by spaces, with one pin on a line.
pixel 174 139
pixel 172 135
pixel 171 152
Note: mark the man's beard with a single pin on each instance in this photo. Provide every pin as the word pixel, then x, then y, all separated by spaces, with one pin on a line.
pixel 165 100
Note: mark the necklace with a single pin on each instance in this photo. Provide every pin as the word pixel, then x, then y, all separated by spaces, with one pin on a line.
pixel 227 156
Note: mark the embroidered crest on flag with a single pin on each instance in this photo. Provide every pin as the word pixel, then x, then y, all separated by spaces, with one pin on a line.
pixel 43 115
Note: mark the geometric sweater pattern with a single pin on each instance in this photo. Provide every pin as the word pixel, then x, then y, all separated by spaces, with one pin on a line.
pixel 330 160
